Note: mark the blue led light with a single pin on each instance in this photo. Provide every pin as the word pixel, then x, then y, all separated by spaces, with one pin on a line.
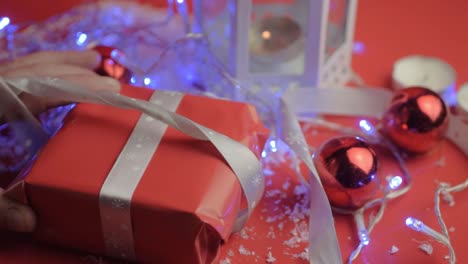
pixel 115 54
pixel 358 47
pixel 180 1
pixel 366 126
pixel 132 80
pixel 147 81
pixel 273 145
pixel 4 22
pixel 409 221
pixel 190 76
pixel 81 38
pixel 364 238
pixel 417 225
pixel 395 182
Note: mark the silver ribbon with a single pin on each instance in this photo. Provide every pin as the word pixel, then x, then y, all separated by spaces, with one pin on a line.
pixel 338 101
pixel 239 157
pixel 117 191
pixel 323 242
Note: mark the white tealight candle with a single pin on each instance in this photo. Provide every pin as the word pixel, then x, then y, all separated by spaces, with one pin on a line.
pixel 428 72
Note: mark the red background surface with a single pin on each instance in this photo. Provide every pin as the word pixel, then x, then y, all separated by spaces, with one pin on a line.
pixel 388 30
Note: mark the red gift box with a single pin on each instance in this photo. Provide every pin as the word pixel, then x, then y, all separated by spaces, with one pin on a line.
pixel 182 209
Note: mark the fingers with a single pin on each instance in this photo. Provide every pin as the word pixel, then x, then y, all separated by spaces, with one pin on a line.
pixel 51 70
pixel 86 59
pixel 93 82
pixel 90 82
pixel 80 76
pixel 15 217
pixel 74 74
pixel 73 66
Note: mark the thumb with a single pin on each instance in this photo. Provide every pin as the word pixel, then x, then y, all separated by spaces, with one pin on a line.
pixel 15 216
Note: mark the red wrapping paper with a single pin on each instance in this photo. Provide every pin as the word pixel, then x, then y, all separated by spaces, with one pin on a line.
pixel 184 206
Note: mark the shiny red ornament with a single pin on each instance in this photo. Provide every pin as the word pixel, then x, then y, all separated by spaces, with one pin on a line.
pixel 347 167
pixel 110 67
pixel 416 120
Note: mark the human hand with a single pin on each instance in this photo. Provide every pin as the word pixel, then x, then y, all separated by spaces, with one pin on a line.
pixel 73 66
pixel 14 216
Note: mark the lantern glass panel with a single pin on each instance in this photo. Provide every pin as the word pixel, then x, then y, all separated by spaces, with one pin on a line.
pixel 277 36
pixel 336 26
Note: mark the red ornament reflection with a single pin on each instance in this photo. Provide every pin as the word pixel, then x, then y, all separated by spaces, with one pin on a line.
pixel 111 68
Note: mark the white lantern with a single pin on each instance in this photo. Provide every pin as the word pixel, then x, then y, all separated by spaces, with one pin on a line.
pixel 308 42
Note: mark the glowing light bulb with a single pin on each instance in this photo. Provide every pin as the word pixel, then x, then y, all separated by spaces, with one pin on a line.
pixel 81 38
pixel 273 145
pixel 359 48
pixel 395 182
pixel 116 54
pixel 363 233
pixel 266 34
pixel 4 22
pixel 364 237
pixel 147 81
pixel 419 226
pixel 413 223
pixel 366 126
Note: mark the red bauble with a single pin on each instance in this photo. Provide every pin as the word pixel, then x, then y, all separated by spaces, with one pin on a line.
pixel 347 167
pixel 416 120
pixel 110 67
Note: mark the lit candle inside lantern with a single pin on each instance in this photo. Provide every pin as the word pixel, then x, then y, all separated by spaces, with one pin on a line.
pixel 287 42
pixel 276 41
pixel 274 34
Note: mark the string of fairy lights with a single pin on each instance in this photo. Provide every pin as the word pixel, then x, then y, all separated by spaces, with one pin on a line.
pixel 84 37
